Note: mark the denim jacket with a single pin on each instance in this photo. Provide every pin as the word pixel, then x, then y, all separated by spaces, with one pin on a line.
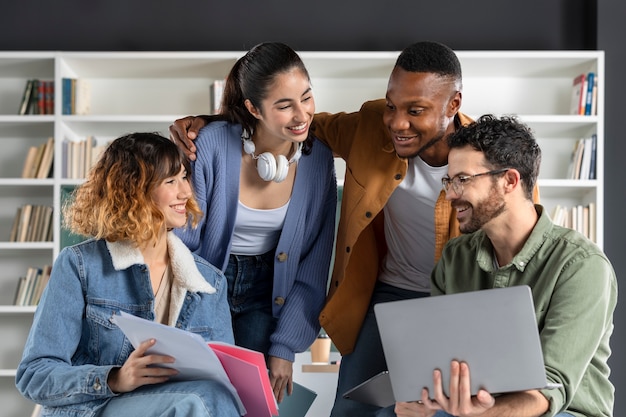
pixel 73 344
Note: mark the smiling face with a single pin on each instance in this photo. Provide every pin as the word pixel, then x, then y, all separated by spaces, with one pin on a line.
pixel 420 112
pixel 287 110
pixel 171 197
pixel 481 199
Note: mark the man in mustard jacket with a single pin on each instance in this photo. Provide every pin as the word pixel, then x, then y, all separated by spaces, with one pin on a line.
pixel 394 217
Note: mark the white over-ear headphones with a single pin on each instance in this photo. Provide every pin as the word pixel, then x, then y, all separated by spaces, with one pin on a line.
pixel 270 168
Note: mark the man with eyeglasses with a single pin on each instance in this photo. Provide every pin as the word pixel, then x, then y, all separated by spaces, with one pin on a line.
pixel 493 166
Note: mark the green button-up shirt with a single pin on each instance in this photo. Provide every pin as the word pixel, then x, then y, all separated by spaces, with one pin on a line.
pixel 574 290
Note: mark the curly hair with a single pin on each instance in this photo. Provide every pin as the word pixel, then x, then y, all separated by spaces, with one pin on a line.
pixel 505 143
pixel 115 202
pixel 431 57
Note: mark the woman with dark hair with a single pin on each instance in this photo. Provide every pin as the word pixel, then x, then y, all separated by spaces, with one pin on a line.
pixel 76 360
pixel 268 190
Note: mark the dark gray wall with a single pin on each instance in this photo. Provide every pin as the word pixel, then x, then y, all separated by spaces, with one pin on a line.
pixel 314 25
pixel 611 35
pixel 202 25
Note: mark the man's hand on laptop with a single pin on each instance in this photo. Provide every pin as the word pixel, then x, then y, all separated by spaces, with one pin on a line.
pixel 460 402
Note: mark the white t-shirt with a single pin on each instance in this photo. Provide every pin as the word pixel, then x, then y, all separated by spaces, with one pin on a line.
pixel 410 227
pixel 257 231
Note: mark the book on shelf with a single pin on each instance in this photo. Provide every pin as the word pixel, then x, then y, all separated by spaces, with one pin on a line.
pixel 76 95
pixel 242 371
pixel 578 94
pixel 67 85
pixel 592 222
pixel 583 159
pixel 41 97
pixel 83 97
pixel 217 91
pixel 79 156
pixel 26 98
pixel 33 105
pixel 38 97
pixel 594 97
pixel 16 225
pixel 591 83
pixel 29 162
pixel 576 160
pixel 579 217
pixel 589 93
pixel 38 161
pixel 31 286
pixel 49 97
pixel 594 157
pixel 24 218
pixel 32 223
pixel 44 170
pixel 585 163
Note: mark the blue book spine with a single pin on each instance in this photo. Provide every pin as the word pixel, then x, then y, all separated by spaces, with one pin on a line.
pixel 589 94
pixel 67 96
pixel 592 162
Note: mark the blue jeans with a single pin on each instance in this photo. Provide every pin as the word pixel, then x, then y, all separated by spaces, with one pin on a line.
pixel 250 285
pixel 185 398
pixel 368 358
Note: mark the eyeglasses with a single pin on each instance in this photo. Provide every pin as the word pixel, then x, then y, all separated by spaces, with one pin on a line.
pixel 458 181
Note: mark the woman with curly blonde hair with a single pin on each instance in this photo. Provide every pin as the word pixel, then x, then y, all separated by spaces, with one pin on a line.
pixel 76 361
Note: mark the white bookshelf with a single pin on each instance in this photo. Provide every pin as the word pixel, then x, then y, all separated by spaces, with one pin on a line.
pixel 147 91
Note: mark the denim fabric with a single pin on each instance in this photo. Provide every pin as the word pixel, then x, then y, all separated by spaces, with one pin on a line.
pixel 73 344
pixel 368 358
pixel 250 286
pixel 188 398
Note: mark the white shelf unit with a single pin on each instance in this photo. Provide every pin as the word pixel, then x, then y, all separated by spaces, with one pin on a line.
pixel 146 91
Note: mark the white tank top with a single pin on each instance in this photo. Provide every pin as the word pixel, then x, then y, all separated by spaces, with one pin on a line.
pixel 257 231
pixel 410 227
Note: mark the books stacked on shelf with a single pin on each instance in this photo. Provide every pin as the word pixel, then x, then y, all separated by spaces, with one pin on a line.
pixel 583 161
pixel 38 162
pixel 80 155
pixel 584 94
pixel 76 96
pixel 581 218
pixel 38 97
pixel 32 223
pixel 31 286
pixel 217 90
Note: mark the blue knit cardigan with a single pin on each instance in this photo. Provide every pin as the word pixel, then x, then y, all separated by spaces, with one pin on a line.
pixel 303 254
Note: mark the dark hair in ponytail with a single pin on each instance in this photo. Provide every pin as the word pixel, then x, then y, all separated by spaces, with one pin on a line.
pixel 252 76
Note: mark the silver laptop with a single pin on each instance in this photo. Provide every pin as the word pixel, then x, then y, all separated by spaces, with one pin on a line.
pixel 375 391
pixel 494 331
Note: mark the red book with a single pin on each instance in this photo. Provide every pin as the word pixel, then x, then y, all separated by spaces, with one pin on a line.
pixel 49 97
pixel 41 97
pixel 578 95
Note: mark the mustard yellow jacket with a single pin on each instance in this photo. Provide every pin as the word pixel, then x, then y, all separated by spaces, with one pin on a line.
pixel 373 171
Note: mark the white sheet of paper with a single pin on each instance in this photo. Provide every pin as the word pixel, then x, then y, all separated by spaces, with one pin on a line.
pixel 194 358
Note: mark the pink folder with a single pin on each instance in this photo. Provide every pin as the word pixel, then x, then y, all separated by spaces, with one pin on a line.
pixel 242 371
pixel 247 371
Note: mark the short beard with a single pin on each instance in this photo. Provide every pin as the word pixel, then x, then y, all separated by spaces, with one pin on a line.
pixel 485 211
